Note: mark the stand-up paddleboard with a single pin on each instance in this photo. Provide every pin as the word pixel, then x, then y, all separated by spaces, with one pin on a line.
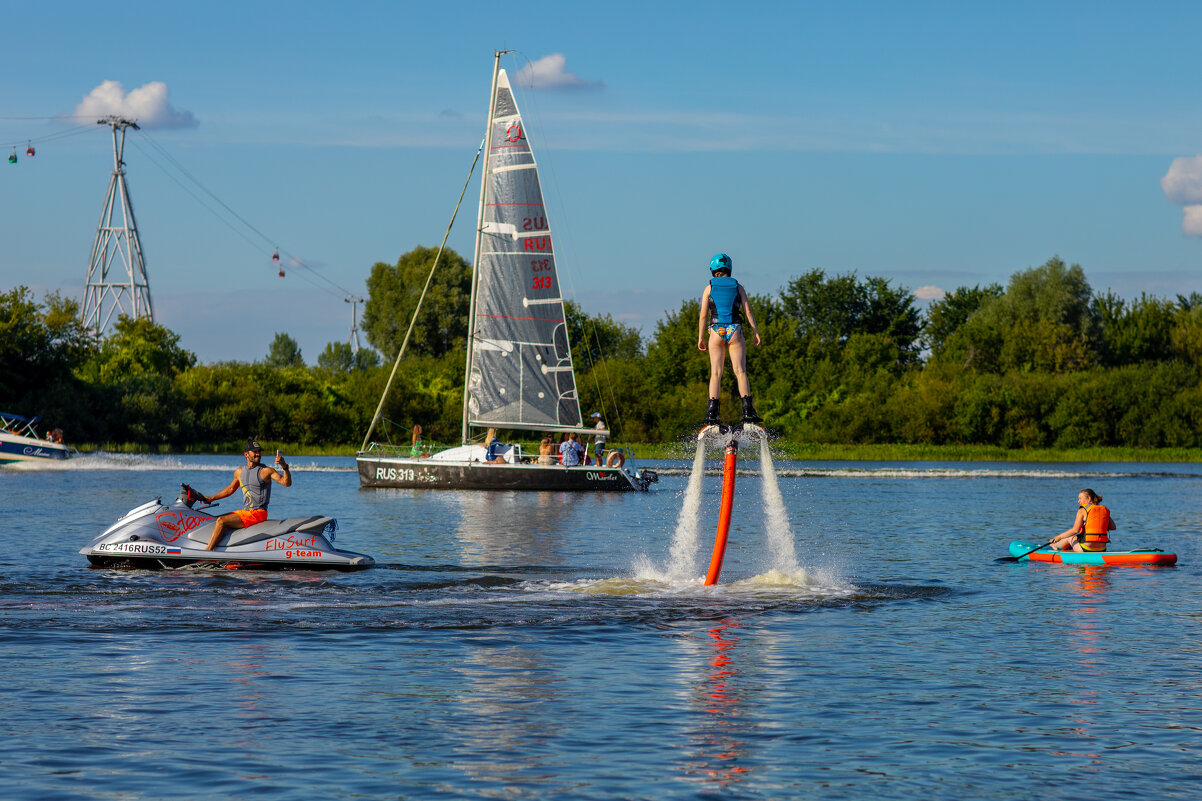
pixel 1143 556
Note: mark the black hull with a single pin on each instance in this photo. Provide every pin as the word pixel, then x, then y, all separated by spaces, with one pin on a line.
pixel 401 473
pixel 125 562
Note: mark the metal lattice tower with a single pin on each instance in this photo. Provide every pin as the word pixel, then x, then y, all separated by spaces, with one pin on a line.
pixel 354 301
pixel 127 291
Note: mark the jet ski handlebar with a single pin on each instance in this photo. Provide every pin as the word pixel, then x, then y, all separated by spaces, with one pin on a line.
pixel 190 496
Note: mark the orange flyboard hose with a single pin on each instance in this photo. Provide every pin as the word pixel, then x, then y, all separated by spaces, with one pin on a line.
pixel 728 501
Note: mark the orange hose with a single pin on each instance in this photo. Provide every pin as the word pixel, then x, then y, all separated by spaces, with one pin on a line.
pixel 728 500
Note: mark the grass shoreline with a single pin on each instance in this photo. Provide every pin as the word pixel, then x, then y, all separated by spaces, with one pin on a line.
pixel 780 449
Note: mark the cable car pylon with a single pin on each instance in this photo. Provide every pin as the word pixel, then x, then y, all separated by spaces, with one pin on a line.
pixel 105 296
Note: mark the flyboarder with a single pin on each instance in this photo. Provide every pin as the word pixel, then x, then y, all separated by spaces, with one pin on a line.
pixel 721 303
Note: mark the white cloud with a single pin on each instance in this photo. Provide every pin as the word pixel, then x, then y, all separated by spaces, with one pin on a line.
pixel 549 73
pixel 929 292
pixel 1182 184
pixel 1191 222
pixel 147 104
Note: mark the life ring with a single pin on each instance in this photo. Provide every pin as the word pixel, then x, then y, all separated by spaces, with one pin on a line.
pixel 615 459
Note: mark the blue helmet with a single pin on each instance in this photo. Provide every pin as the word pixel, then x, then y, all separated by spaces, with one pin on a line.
pixel 721 261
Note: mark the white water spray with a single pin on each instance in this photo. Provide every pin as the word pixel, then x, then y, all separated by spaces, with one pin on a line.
pixel 776 521
pixel 682 562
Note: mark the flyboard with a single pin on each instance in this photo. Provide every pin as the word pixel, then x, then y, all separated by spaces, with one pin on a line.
pixel 728 437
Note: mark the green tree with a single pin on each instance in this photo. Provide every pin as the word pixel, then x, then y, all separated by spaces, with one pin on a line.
pixel 596 338
pixel 1141 332
pixel 39 344
pixel 1045 320
pixel 338 357
pixel 135 348
pixel 827 311
pixel 945 316
pixel 393 292
pixel 284 352
pixel 131 377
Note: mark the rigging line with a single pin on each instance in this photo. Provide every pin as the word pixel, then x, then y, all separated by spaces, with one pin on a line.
pixel 422 297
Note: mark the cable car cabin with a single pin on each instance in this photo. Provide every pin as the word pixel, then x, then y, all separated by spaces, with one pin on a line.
pixel 275 256
pixel 12 157
pixel 29 151
pixel 281 272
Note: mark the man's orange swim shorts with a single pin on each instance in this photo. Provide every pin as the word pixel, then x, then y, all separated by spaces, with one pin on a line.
pixel 251 516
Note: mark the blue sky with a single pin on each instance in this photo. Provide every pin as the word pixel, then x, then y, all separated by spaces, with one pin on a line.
pixel 935 144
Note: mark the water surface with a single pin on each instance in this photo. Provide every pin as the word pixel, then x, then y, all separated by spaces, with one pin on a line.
pixel 552 645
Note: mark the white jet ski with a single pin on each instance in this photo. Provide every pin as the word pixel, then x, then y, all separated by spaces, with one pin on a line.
pixel 165 537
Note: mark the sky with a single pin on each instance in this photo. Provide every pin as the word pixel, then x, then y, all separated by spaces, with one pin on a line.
pixel 935 144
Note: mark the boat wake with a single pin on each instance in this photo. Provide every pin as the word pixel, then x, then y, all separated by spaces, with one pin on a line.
pixel 136 462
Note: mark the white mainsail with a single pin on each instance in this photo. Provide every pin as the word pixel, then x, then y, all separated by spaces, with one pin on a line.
pixel 519 369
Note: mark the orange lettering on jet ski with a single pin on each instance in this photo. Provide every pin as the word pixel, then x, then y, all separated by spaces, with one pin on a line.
pixel 174 524
pixel 291 542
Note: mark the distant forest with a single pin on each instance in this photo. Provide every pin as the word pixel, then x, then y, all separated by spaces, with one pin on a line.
pixel 1043 362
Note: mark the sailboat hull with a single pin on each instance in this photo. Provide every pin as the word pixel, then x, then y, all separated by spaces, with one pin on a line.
pixel 399 472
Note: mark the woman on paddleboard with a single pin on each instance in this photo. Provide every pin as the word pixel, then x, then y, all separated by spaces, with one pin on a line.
pixel 1090 527
pixel 722 302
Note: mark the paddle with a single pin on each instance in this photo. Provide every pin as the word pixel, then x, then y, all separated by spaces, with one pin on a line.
pixel 1021 555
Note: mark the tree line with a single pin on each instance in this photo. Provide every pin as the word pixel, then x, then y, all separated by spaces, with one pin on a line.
pixel 1044 361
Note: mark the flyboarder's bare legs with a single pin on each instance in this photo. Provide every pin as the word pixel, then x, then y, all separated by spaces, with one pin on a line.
pixel 718 349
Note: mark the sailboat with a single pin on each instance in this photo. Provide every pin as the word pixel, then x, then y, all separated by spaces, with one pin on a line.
pixel 518 374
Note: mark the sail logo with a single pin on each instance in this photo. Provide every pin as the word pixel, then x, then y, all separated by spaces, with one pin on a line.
pixel 514 133
pixel 537 243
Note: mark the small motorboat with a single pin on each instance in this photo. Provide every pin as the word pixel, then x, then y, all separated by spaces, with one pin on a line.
pixel 1144 556
pixel 20 442
pixel 159 536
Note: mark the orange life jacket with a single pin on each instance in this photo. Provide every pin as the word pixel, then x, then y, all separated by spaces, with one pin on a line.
pixel 1097 523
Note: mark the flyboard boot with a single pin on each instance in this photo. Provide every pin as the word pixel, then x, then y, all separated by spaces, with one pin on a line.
pixel 711 413
pixel 749 415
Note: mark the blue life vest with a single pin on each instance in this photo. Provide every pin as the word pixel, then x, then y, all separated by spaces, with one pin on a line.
pixel 724 300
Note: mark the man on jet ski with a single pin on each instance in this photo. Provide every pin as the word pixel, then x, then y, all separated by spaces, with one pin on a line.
pixel 255 481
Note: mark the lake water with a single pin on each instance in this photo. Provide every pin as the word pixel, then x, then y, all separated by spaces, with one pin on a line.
pixel 862 642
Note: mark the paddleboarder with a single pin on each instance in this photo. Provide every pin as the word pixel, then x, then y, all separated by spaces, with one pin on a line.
pixel 1090 527
pixel 720 330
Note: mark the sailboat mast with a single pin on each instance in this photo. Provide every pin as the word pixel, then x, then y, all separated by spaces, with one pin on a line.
pixel 485 173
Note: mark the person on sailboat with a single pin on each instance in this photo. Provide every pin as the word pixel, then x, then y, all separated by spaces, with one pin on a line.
pixel 546 450
pixel 255 480
pixel 598 438
pixel 723 306
pixel 415 450
pixel 571 452
pixel 493 453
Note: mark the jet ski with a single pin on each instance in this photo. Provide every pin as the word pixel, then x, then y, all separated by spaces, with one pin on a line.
pixel 158 536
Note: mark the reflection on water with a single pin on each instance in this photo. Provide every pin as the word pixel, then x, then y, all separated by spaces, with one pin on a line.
pixel 1089 589
pixel 501 725
pixel 498 527
pixel 717 739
